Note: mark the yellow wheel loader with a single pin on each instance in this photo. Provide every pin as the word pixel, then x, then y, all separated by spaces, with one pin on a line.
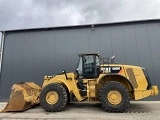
pixel 95 80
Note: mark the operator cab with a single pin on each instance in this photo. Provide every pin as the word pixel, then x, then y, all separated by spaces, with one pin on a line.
pixel 88 66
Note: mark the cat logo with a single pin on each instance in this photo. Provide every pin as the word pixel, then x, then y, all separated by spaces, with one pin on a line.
pixel 114 69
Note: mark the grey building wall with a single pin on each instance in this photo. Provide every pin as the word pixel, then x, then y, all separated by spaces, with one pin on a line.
pixel 28 55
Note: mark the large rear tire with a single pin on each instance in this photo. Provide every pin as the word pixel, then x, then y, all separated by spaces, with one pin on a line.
pixel 53 97
pixel 114 97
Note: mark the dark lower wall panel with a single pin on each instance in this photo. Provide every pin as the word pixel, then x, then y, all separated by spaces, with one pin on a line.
pixel 29 55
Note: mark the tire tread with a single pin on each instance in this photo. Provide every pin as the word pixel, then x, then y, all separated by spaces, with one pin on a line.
pixel 61 106
pixel 101 97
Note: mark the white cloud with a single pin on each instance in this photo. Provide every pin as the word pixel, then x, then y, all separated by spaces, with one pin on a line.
pixel 19 14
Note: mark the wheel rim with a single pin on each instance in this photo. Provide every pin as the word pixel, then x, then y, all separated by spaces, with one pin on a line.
pixel 114 97
pixel 52 97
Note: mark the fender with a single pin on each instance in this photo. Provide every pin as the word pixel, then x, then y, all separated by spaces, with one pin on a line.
pixel 70 84
pixel 110 78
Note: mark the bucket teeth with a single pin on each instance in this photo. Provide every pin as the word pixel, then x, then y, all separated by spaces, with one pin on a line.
pixel 23 96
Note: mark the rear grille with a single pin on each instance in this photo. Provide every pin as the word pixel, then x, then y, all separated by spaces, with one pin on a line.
pixel 132 78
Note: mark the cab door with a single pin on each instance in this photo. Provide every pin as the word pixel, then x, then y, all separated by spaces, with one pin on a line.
pixel 90 66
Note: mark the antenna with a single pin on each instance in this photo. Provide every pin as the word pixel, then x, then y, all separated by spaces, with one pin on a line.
pixel 113 58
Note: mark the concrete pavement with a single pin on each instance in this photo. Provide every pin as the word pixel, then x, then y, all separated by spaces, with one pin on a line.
pixel 138 110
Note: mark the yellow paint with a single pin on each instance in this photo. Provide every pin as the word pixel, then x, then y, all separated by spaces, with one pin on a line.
pixel 52 97
pixel 139 75
pixel 91 89
pixel 139 94
pixel 136 93
pixel 70 83
pixel 23 96
pixel 93 85
pixel 114 97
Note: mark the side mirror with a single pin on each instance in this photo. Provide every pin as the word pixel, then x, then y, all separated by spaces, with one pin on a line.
pixel 77 70
pixel 77 73
pixel 64 71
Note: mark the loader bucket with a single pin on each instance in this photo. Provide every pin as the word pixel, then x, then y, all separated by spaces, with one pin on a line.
pixel 23 96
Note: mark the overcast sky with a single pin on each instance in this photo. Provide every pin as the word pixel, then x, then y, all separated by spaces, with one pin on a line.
pixel 19 14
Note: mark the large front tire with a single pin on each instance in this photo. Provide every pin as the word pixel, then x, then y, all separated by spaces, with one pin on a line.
pixel 53 97
pixel 114 97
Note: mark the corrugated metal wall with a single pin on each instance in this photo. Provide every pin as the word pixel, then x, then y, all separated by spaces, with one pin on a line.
pixel 29 55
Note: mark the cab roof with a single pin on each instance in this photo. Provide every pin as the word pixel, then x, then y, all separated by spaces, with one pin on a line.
pixel 82 54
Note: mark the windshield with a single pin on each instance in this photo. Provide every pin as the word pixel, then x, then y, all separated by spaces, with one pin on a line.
pixel 88 61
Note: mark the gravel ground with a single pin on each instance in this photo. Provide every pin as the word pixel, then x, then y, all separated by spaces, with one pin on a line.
pixel 148 110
